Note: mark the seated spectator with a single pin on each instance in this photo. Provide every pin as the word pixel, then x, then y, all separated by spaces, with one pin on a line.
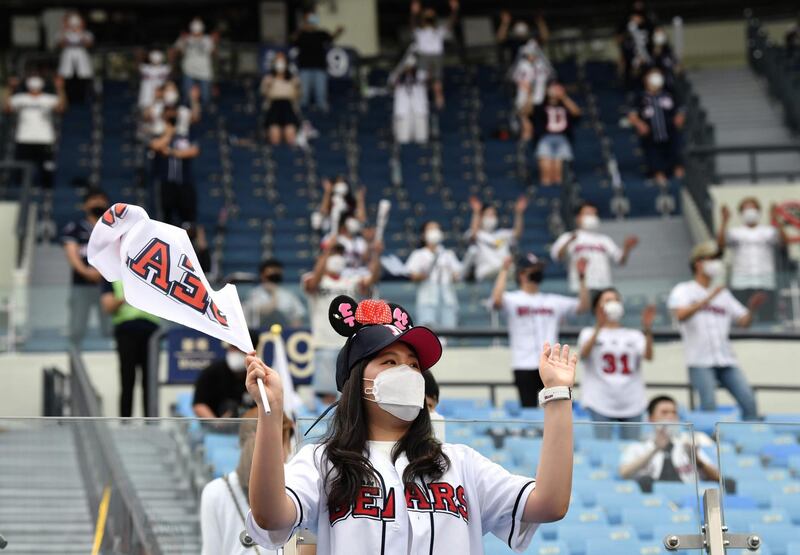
pixel 598 249
pixel 530 75
pixel 658 119
pixel 410 103
pixel 663 58
pixel 553 124
pixel 429 39
pixel 197 49
pixel 312 43
pixel 670 454
pixel 356 246
pixel 133 329
pixel 613 388
pixel 281 91
pixel 152 74
pixel 327 281
pixel 752 247
pixel 490 246
pixel 75 65
pixel 633 38
pixel 224 503
pixel 219 391
pixel 339 197
pixel 271 303
pixel 435 268
pixel 514 34
pixel 35 135
pixel 173 173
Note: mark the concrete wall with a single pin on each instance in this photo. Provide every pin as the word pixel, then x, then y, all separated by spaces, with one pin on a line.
pixel 360 21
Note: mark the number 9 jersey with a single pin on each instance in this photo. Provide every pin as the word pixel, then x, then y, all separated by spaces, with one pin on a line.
pixel 612 384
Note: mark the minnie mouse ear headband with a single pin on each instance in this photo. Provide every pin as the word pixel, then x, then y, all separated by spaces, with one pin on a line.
pixel 372 325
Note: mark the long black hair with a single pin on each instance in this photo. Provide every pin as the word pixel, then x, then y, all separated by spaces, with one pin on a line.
pixel 345 445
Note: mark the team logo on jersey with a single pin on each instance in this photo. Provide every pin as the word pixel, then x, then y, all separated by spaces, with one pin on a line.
pixel 114 214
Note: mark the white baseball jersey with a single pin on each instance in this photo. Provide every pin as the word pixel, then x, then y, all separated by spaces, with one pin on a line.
pixel 451 515
pixel 493 247
pixel 599 250
pixel 34 117
pixel 613 384
pixel 679 454
pixel 705 334
pixel 532 319
pixel 753 250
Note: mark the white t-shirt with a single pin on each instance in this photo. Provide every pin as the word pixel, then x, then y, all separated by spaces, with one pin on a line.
pixel 599 250
pixel 474 497
pixel 753 250
pixel 34 118
pixel 705 334
pixel 679 453
pixel 328 289
pixel 411 99
pixel 197 50
pixel 613 384
pixel 531 80
pixel 492 249
pixel 430 40
pixel 533 319
pixel 220 522
pixel 442 268
pixel 152 76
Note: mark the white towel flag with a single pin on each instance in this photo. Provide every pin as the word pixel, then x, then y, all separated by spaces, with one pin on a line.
pixel 161 275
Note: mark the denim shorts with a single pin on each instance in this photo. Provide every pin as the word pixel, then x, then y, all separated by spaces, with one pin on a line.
pixel 554 147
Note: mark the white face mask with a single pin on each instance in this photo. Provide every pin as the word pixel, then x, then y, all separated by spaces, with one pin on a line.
pixel 171 97
pixel 655 80
pixel 590 222
pixel 714 269
pixel 751 216
pixel 340 189
pixel 74 21
pixel 433 236
pixel 400 391
pixel 489 223
pixel 352 226
pixel 197 27
pixel 614 310
pixel 34 84
pixel 280 65
pixel 659 38
pixel 235 360
pixel 156 57
pixel 335 264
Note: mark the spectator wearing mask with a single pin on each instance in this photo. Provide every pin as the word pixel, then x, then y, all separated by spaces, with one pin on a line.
pixel 658 120
pixel 429 39
pixel 272 303
pixel 224 503
pixel 410 103
pixel 705 310
pixel 532 318
pixel 153 73
pixel 173 171
pixel 75 66
pixel 435 269
pixel 514 34
pixel 281 91
pixel 613 388
pixel 35 134
pixel 338 197
pixel 219 391
pixel 327 281
pixel 490 246
pixel 633 37
pixel 553 125
pixel 312 43
pixel 669 455
pixel 598 249
pixel 355 244
pixel 752 247
pixel 133 329
pixel 197 50
pixel 530 76
pixel 84 292
pixel 168 99
pixel 663 58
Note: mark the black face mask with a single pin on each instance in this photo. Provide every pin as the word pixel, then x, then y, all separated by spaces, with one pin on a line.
pixel 535 277
pixel 273 278
pixel 98 211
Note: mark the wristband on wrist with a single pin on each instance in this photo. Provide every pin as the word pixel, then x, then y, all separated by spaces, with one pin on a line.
pixel 557 393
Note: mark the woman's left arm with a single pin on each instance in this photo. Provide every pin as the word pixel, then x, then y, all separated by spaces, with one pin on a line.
pixel 549 501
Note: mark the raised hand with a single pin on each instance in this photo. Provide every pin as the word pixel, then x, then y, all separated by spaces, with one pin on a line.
pixel 726 214
pixel 521 205
pixel 416 7
pixel 631 241
pixel 475 204
pixel 581 266
pixel 272 383
pixel 505 17
pixel 507 263
pixel 648 316
pixel 557 365
pixel 756 301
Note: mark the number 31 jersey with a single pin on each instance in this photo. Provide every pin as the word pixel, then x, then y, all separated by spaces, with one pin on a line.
pixel 612 383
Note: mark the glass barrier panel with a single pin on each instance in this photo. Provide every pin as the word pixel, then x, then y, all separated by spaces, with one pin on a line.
pixel 148 486
pixel 760 470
